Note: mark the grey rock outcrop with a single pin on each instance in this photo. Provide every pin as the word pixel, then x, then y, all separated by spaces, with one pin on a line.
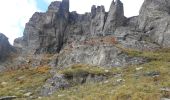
pixel 79 23
pixel 98 19
pixel 154 21
pixel 53 84
pixel 128 37
pixel 54 6
pixel 49 31
pixel 66 80
pixel 96 50
pixel 115 17
pixel 105 56
pixel 57 29
pixel 152 10
pixel 5 47
pixel 45 31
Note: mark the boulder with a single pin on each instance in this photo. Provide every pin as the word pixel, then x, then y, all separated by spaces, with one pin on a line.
pixel 53 84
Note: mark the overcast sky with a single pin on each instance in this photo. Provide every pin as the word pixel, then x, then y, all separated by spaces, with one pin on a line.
pixel 15 13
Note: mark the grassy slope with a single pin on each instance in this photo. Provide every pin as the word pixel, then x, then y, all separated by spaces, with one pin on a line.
pixel 133 83
pixel 20 82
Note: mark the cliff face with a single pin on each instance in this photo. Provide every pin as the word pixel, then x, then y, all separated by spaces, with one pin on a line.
pixel 83 38
pixel 154 21
pixel 58 30
pixel 79 38
pixel 115 17
pixel 48 32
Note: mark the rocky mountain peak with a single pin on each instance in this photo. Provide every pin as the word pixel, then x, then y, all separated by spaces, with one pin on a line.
pixel 97 10
pixel 118 2
pixel 3 37
pixel 115 17
pixel 93 11
pixel 66 4
pixel 50 31
pixel 95 32
pixel 54 6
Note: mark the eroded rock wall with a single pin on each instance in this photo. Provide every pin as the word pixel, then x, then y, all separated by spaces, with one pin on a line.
pixel 154 20
pixel 115 17
pixel 49 31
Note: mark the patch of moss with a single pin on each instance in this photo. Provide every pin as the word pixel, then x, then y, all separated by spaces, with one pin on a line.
pixel 161 54
pixel 83 68
pixel 132 82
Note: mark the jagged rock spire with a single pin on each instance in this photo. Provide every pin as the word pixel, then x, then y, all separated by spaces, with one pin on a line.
pixel 93 11
pixel 115 17
pixel 66 5
pixel 54 6
pixel 98 15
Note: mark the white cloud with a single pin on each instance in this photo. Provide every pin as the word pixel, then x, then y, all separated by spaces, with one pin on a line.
pixel 14 15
